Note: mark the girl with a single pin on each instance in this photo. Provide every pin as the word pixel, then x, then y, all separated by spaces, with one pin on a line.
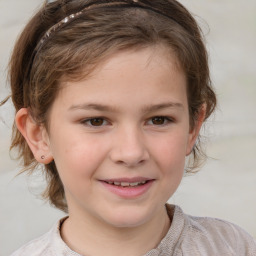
pixel 110 97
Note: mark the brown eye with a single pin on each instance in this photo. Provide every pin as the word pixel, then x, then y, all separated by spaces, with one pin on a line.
pixel 158 120
pixel 96 121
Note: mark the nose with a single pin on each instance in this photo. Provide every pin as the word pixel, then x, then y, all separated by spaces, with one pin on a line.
pixel 129 148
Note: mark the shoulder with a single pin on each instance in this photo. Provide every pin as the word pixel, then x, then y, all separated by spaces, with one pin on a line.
pixel 44 245
pixel 212 235
pixel 36 247
pixel 217 228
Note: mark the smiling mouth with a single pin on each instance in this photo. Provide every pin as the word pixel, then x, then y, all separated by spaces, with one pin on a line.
pixel 127 184
pixel 128 188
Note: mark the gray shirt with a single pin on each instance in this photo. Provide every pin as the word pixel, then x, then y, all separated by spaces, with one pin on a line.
pixel 187 236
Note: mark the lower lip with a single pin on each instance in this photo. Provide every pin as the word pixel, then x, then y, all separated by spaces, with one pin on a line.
pixel 128 192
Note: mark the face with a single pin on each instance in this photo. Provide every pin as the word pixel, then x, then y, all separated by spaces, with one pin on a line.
pixel 119 138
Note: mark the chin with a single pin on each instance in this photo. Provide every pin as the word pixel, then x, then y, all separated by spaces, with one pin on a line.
pixel 128 218
pixel 127 222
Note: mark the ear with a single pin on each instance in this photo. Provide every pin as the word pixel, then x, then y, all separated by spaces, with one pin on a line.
pixel 194 132
pixel 35 135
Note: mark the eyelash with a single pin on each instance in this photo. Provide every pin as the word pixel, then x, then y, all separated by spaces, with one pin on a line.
pixel 167 120
pixel 89 120
pixel 104 121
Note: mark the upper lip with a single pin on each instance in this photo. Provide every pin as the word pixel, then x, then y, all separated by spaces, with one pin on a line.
pixel 126 179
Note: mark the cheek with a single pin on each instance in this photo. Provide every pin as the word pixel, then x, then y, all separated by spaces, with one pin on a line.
pixel 169 160
pixel 77 157
pixel 170 153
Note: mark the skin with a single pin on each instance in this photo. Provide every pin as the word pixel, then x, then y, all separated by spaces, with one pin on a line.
pixel 142 130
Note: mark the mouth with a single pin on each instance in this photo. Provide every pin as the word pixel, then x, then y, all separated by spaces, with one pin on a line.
pixel 126 184
pixel 128 187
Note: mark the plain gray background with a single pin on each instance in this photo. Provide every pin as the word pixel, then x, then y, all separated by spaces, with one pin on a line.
pixel 225 187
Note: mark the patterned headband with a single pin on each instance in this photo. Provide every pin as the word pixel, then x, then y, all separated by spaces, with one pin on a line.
pixel 99 4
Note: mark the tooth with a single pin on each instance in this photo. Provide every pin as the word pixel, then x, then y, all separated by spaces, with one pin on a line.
pixel 143 182
pixel 110 182
pixel 117 183
pixel 134 184
pixel 125 184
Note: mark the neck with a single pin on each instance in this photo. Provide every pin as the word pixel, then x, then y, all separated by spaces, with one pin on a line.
pixel 85 237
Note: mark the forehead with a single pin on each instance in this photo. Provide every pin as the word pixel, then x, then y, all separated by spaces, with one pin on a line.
pixel 140 76
pixel 151 56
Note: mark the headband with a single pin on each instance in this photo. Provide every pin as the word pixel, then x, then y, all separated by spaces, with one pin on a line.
pixel 99 4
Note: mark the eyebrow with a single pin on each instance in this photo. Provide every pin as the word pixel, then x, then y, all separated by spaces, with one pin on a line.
pixel 151 108
pixel 93 106
pixel 106 108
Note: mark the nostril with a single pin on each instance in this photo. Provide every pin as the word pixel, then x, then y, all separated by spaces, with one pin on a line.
pixel 130 163
pixel 129 150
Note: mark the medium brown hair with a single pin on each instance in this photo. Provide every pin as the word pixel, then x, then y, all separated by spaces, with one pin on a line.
pixel 74 50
